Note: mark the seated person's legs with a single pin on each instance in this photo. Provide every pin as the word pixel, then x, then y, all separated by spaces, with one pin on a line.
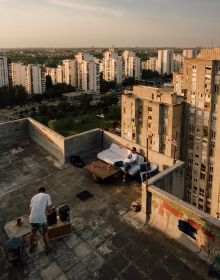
pixel 127 166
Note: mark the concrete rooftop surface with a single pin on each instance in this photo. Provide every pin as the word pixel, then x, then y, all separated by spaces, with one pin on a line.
pixel 107 241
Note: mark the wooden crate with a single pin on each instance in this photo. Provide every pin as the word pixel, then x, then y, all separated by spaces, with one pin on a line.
pixel 59 229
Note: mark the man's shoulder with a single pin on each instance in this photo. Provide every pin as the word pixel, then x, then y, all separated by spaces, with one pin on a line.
pixel 41 195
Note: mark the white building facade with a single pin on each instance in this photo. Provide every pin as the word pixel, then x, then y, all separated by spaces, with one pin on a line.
pixel 150 64
pixel 112 67
pixel 165 62
pixel 178 62
pixel 35 79
pixel 18 74
pixel 132 65
pixel 5 71
pixel 190 53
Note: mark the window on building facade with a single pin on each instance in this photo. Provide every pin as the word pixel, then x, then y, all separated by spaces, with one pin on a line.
pixel 201 192
pixel 216 88
pixel 208 67
pixel 200 207
pixel 205 131
pixel 203 167
pixel 215 108
pixel 212 149
pixel 193 85
pixel 213 134
pixel 217 68
pixel 208 210
pixel 201 200
pixel 210 177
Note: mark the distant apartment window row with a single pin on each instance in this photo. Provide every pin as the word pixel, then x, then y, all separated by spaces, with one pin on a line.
pixel 217 68
pixel 208 68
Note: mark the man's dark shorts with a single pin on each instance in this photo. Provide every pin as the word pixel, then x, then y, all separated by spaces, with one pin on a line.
pixel 42 228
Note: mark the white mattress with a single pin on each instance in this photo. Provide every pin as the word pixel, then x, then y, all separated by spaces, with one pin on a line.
pixel 116 153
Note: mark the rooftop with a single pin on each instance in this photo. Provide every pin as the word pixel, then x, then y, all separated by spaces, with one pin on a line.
pixel 155 94
pixel 108 242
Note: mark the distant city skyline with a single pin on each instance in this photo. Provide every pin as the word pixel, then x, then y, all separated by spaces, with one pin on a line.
pixel 103 23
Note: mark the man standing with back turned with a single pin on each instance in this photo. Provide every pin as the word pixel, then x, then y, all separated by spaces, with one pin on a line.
pixel 39 206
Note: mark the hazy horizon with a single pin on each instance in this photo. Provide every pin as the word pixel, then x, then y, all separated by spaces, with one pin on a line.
pixel 103 23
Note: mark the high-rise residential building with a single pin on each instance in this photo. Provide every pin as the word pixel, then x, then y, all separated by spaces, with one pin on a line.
pixel 165 62
pixel 112 67
pixel 178 82
pixel 18 74
pixel 150 64
pixel 82 72
pixel 201 81
pixel 86 72
pixel 52 72
pixel 38 80
pixel 90 76
pixel 35 79
pixel 132 65
pixel 190 53
pixel 60 74
pixel 5 71
pixel 67 71
pixel 28 84
pixel 74 68
pixel 155 113
pixel 178 62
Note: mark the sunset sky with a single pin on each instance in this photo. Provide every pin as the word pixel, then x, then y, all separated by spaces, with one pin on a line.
pixel 103 23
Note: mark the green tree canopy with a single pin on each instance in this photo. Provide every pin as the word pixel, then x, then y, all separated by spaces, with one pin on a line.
pixel 148 74
pixel 85 100
pixel 108 100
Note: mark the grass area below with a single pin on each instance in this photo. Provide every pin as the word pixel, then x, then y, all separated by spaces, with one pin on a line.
pixel 70 125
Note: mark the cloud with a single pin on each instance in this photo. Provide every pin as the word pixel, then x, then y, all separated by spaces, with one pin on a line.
pixel 97 6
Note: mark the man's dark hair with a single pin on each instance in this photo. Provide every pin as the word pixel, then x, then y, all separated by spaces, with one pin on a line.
pixel 134 149
pixel 41 189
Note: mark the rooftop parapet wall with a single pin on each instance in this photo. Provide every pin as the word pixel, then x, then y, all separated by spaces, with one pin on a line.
pixel 83 143
pixel 48 139
pixel 13 131
pixel 210 54
pixel 171 180
pixel 193 228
